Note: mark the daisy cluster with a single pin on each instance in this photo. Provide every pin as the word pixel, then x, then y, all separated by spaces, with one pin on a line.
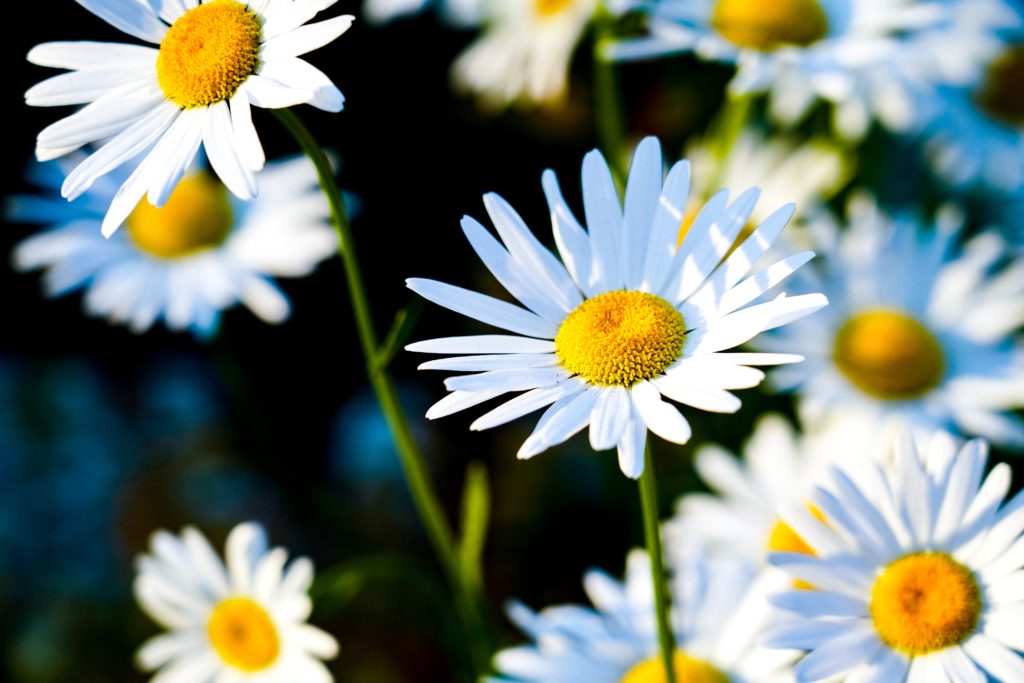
pixel 862 533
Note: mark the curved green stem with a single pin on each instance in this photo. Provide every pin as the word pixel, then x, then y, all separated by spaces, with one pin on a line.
pixel 469 600
pixel 662 596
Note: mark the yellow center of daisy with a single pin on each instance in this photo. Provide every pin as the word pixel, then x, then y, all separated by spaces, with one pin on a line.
pixel 925 602
pixel 196 216
pixel 767 25
pixel 243 634
pixel 889 355
pixel 687 670
pixel 1002 92
pixel 550 8
pixel 620 338
pixel 207 53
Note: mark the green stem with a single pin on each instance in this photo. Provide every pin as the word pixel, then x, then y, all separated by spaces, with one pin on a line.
pixel 726 130
pixel 662 597
pixel 469 600
pixel 609 115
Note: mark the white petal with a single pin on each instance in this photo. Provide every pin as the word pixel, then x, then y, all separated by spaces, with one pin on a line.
pixel 300 75
pixel 661 418
pixel 483 343
pixel 484 308
pixel 563 419
pixel 642 191
pixel 604 222
pixel 609 418
pixel 131 16
pixel 527 403
pixel 221 150
pixel 305 39
pixel 632 448
pixel 250 151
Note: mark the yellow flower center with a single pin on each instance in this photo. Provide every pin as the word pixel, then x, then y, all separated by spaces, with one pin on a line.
pixel 243 634
pixel 550 8
pixel 770 24
pixel 196 216
pixel 687 670
pixel 208 52
pixel 889 355
pixel 620 338
pixel 925 602
pixel 1002 92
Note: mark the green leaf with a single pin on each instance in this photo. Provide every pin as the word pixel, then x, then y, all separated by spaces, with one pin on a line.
pixel 401 329
pixel 476 513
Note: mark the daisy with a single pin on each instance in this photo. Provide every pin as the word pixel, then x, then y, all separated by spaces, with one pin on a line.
pixel 524 52
pixel 456 12
pixel 200 253
pixel 919 334
pixel 866 57
pixel 214 60
pixel 625 318
pixel 245 621
pixel 917 573
pixel 716 628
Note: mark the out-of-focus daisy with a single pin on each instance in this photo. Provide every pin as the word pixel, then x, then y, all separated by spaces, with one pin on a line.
pixel 455 12
pixel 716 628
pixel 245 621
pixel 625 318
pixel 215 59
pixel 807 174
pixel 916 575
pixel 185 262
pixel 919 334
pixel 525 51
pixel 740 518
pixel 864 56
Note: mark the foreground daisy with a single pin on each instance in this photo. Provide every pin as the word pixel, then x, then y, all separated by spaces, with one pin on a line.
pixel 202 252
pixel 625 318
pixel 525 51
pixel 918 335
pixel 214 61
pixel 866 57
pixel 245 621
pixel 917 573
pixel 715 631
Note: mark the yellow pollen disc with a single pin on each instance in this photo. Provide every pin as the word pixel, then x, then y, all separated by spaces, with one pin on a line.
pixel 550 8
pixel 889 355
pixel 770 24
pixel 687 670
pixel 197 216
pixel 207 53
pixel 243 634
pixel 925 602
pixel 620 338
pixel 1002 92
pixel 782 539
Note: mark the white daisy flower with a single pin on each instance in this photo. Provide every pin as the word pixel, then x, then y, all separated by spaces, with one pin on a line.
pixel 919 335
pixel 214 60
pixel 455 12
pixel 917 575
pixel 185 262
pixel 715 624
pixel 866 57
pixel 525 51
pixel 625 318
pixel 245 621
pixel 740 518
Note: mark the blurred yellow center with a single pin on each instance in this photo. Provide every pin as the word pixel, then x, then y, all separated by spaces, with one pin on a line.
pixel 770 24
pixel 687 670
pixel 889 355
pixel 620 338
pixel 243 634
pixel 197 216
pixel 207 53
pixel 925 602
pixel 782 539
pixel 549 8
pixel 1002 92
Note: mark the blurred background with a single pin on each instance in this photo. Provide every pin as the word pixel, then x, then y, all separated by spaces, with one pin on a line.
pixel 106 435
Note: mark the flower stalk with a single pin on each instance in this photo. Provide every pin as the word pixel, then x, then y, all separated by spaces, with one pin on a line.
pixel 662 596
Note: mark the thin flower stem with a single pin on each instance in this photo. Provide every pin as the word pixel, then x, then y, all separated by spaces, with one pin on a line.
pixel 728 127
pixel 662 597
pixel 609 114
pixel 469 600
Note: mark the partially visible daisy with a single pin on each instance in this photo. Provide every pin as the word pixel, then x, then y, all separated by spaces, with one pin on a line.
pixel 867 57
pixel 919 333
pixel 715 625
pixel 200 253
pixel 245 621
pixel 456 12
pixel 916 576
pixel 215 59
pixel 524 53
pixel 625 318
